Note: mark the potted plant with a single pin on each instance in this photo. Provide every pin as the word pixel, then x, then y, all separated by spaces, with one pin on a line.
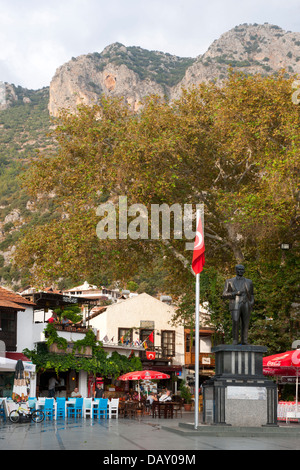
pixel 185 393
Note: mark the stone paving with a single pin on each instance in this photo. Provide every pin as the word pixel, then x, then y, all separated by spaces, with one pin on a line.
pixel 136 435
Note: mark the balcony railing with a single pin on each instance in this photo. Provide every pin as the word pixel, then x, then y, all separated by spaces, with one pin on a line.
pixel 86 351
pixel 205 359
pixel 73 328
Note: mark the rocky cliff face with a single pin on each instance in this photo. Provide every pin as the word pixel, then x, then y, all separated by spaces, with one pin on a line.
pixel 263 49
pixel 10 95
pixel 134 73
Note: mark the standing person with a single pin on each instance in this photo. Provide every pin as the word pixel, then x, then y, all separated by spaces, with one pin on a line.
pixel 51 386
pixel 239 291
pixel 99 391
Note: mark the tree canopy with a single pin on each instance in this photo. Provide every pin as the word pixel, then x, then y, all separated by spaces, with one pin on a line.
pixel 234 148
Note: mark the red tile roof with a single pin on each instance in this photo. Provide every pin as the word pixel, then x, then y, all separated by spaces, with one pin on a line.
pixel 7 304
pixel 10 299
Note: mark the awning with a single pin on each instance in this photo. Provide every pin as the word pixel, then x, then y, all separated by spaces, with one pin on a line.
pixel 16 356
pixel 7 365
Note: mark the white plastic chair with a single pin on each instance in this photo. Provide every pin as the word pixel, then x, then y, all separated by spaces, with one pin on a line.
pixel 113 407
pixel 87 407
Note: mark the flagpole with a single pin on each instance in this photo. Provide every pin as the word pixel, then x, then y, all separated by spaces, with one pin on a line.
pixel 197 342
pixel 197 350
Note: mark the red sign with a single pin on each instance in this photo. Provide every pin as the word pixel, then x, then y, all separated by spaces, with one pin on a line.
pixel 150 355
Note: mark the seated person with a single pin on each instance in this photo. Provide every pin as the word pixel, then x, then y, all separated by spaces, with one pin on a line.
pixel 151 398
pixel 53 319
pixel 166 396
pixel 65 321
pixel 75 393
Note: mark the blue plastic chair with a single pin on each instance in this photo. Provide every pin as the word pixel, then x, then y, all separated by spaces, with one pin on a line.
pixel 31 402
pixel 60 407
pixel 2 411
pixel 49 408
pixel 76 409
pixel 102 408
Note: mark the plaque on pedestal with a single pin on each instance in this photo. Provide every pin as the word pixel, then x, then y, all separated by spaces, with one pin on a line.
pixel 239 394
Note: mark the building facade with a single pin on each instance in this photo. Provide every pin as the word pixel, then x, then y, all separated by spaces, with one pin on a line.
pixel 147 321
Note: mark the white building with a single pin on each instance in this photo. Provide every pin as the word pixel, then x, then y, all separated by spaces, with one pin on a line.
pixel 140 319
pixel 16 334
pixel 93 292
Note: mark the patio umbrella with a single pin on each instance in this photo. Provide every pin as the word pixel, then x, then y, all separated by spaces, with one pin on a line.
pixel 284 364
pixel 143 375
pixel 20 387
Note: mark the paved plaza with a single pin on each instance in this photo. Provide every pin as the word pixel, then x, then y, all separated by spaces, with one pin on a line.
pixel 143 434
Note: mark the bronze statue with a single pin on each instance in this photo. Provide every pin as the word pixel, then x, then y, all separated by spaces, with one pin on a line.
pixel 239 291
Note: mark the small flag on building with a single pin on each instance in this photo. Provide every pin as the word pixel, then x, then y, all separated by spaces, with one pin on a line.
pixel 151 337
pixel 150 355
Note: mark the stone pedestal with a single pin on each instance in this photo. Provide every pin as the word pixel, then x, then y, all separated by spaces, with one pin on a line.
pixel 239 394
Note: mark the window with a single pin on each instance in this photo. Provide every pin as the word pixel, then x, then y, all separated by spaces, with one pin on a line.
pixel 144 337
pixel 125 335
pixel 7 322
pixel 168 343
pixel 188 344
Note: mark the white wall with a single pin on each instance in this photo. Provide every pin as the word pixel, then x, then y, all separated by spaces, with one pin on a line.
pixel 25 329
pixel 205 344
pixel 128 314
pixel 82 385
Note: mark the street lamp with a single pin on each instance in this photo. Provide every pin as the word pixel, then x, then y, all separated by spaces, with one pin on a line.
pixel 285 246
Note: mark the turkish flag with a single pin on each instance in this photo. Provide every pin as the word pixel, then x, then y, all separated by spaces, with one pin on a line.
pixel 150 355
pixel 199 250
pixel 151 337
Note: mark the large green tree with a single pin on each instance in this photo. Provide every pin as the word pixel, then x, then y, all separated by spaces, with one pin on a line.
pixel 234 148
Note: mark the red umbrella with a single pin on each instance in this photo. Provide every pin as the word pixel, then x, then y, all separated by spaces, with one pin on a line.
pixel 143 375
pixel 284 364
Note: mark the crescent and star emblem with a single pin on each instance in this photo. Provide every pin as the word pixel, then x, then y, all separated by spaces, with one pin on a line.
pixel 200 239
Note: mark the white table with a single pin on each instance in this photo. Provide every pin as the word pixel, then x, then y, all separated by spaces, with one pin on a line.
pixel 40 404
pixel 292 415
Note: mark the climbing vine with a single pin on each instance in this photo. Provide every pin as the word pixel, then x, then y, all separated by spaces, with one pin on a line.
pixel 99 363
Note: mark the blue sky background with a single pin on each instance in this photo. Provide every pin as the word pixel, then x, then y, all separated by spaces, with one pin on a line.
pixel 37 36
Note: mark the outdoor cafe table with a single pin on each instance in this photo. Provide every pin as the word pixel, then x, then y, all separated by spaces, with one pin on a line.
pixel 40 404
pixel 70 403
pixel 163 408
pixel 130 408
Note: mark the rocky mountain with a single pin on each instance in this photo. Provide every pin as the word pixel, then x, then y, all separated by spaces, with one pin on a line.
pixel 133 72
pixel 252 49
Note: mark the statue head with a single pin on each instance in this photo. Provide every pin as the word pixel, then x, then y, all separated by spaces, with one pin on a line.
pixel 239 269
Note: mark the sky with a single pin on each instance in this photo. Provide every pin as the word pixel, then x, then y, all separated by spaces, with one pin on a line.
pixel 38 36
